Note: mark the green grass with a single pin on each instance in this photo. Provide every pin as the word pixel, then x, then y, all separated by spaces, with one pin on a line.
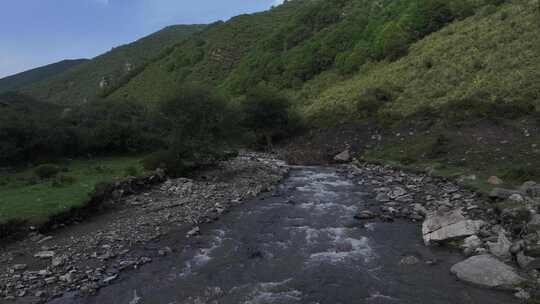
pixel 20 199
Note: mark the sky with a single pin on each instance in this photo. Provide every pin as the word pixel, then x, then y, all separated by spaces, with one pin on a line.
pixel 34 33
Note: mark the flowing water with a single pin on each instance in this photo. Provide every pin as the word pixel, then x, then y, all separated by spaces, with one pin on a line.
pixel 300 245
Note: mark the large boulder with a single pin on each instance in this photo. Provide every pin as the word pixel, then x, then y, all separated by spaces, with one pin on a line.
pixel 485 270
pixel 451 225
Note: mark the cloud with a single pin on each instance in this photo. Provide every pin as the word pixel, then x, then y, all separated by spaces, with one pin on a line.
pixel 277 2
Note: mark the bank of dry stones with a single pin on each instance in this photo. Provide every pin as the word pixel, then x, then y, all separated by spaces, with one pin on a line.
pixel 86 257
pixel 500 233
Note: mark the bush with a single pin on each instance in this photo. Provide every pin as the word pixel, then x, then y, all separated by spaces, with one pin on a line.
pixel 392 41
pixel 131 171
pixel 266 113
pixel 63 180
pixel 47 171
pixel 199 124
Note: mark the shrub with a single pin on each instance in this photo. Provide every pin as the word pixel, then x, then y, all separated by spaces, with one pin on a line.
pixel 63 180
pixel 200 125
pixel 520 173
pixel 371 100
pixel 266 113
pixel 392 41
pixel 46 171
pixel 131 171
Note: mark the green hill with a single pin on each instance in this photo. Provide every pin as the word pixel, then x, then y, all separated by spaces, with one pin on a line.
pixel 93 78
pixel 208 57
pixel 14 82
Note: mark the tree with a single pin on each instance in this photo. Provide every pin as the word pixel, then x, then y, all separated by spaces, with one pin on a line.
pixel 198 124
pixel 266 113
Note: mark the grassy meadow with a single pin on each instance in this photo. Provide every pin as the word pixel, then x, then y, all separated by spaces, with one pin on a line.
pixel 24 196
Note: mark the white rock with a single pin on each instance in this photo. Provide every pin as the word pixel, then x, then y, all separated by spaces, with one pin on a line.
pixel 450 225
pixel 517 198
pixel 501 248
pixel 344 156
pixel 44 254
pixel 486 270
pixel 471 243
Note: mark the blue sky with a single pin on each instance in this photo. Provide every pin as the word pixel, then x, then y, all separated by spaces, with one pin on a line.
pixel 38 32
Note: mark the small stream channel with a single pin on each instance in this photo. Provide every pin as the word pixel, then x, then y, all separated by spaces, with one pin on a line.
pixel 300 245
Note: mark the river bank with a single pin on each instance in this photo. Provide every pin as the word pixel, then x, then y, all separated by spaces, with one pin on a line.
pixel 90 255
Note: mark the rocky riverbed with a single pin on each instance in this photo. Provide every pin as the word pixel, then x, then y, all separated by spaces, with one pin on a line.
pixel 496 237
pixel 83 258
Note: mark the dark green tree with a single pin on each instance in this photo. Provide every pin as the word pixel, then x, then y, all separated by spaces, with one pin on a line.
pixel 266 112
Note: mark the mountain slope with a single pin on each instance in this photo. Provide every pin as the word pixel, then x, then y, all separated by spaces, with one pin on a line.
pixel 89 80
pixel 294 43
pixel 488 64
pixel 208 57
pixel 26 78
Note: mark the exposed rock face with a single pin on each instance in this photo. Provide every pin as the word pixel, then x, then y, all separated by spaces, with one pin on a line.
pixel 343 157
pixel 487 271
pixel 447 226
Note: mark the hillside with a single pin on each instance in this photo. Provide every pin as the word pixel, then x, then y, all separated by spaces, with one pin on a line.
pixel 26 78
pixel 486 65
pixel 294 43
pixel 208 57
pixel 95 77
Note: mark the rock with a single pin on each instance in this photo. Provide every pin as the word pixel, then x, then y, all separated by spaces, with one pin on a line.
pixel 382 197
pixel 40 294
pixel 418 208
pixel 110 279
pixel 533 250
pixel 523 260
pixel 44 254
pixel 531 189
pixel 448 226
pixel 365 215
pixel 501 248
pixel 19 267
pixel 136 299
pixel 503 194
pixel 397 192
pixel 494 180
pixel 522 294
pixel 470 244
pixel 486 270
pixel 88 289
pixel 343 157
pixel 68 277
pixel 534 223
pixel 58 261
pixel 516 198
pixel 193 232
pixel 409 260
pixel 517 247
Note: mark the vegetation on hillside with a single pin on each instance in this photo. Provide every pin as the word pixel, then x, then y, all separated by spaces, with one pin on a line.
pixel 486 66
pixel 26 78
pixel 102 74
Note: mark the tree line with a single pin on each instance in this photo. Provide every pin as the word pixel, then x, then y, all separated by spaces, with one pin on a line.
pixel 195 128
